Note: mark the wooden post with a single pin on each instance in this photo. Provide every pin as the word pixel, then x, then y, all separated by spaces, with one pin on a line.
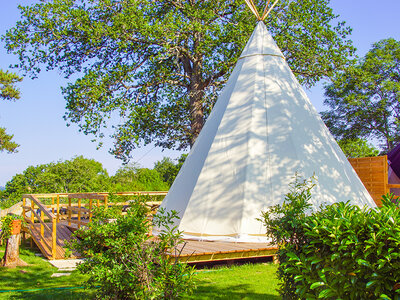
pixel 79 212
pixel 98 203
pixel 54 238
pixel 90 210
pixel 32 210
pixel 69 211
pixel 275 259
pixel 41 225
pixel 106 201
pixel 23 207
pixel 58 208
pixel 52 203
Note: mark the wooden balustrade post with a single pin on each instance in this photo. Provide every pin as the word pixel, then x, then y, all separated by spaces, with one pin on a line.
pixel 69 211
pixel 52 205
pixel 41 225
pixel 90 210
pixel 79 212
pixel 58 208
pixel 23 207
pixel 106 201
pixel 54 238
pixel 32 210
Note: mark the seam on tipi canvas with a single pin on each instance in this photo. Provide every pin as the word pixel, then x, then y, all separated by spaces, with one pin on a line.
pixel 183 210
pixel 208 208
pixel 268 162
pixel 249 133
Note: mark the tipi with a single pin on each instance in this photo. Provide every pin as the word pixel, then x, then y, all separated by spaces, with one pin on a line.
pixel 262 130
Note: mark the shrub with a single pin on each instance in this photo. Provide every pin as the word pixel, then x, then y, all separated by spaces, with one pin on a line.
pixel 284 224
pixel 340 252
pixel 124 262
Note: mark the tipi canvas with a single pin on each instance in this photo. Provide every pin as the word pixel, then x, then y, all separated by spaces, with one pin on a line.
pixel 261 131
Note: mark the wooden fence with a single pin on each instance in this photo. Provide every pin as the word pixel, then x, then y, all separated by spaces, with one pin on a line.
pixel 373 172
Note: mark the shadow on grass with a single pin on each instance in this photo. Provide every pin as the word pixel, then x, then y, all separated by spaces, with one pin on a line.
pixel 35 282
pixel 231 292
pixel 50 295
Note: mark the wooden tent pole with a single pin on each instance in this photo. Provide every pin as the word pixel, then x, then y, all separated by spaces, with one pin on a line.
pixel 265 10
pixel 253 8
pixel 265 15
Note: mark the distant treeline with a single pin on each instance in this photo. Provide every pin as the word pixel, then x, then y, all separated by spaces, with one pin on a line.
pixel 87 175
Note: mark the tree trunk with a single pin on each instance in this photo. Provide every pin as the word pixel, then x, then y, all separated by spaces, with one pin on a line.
pixel 196 108
pixel 197 118
pixel 11 256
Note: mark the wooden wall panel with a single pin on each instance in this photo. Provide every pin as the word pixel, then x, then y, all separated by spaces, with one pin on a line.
pixel 373 172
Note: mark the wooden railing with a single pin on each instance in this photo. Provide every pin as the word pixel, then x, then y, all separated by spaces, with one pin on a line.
pixel 77 209
pixel 38 211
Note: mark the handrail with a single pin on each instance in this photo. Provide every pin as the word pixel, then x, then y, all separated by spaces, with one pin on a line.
pixel 43 226
pixel 87 196
pixel 46 195
pixel 40 206
pixel 151 193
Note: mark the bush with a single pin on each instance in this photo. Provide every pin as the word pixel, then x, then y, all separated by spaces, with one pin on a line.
pixel 284 224
pixel 340 252
pixel 124 262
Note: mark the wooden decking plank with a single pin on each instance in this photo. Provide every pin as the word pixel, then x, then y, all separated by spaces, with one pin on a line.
pixel 207 248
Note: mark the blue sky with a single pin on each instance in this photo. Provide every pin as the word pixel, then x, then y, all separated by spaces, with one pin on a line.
pixel 36 119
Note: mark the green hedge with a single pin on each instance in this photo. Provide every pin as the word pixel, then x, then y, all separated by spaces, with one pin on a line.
pixel 338 252
pixel 351 253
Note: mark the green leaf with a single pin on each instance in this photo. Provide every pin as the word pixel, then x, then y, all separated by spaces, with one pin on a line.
pixel 316 285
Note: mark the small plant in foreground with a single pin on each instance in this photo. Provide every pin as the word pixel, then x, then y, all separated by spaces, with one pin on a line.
pixel 124 262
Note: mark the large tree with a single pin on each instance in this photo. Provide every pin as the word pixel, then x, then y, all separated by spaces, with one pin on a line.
pixel 364 100
pixel 153 69
pixel 8 91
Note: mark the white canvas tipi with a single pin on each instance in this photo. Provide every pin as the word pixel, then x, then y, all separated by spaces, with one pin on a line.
pixel 261 131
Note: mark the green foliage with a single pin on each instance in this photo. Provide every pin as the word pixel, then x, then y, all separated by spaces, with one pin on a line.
pixel 168 169
pixel 124 262
pixel 364 100
pixel 161 64
pixel 76 175
pixel 86 175
pixel 345 252
pixel 353 148
pixel 6 225
pixel 284 224
pixel 352 254
pixel 132 178
pixel 8 91
pixel 6 142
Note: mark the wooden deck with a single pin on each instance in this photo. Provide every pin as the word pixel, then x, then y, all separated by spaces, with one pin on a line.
pixel 192 252
pixel 206 251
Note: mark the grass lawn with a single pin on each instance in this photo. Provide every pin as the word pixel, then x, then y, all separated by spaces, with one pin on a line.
pixel 256 281
pixel 35 282
pixel 37 277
